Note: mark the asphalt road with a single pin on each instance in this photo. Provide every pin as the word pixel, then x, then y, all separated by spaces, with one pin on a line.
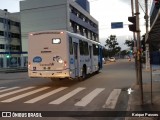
pixel 20 93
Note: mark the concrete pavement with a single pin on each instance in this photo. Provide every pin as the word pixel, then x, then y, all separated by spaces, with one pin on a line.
pixel 134 103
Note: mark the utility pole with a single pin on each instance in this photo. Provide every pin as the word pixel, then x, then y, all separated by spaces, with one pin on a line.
pixel 135 44
pixel 139 52
pixel 146 45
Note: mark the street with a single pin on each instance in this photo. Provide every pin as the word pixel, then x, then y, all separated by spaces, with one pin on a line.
pixel 42 94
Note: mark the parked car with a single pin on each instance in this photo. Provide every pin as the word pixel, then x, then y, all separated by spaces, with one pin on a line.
pixel 112 59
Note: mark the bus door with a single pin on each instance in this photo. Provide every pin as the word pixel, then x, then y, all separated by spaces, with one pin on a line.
pixel 76 64
pixel 90 55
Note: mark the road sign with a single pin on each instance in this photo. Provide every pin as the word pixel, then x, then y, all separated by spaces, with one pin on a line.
pixel 115 25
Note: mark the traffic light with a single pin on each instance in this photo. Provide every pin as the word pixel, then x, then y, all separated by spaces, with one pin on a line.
pixel 133 26
pixel 157 4
pixel 7 56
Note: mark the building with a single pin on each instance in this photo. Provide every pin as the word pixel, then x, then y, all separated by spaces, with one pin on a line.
pixel 153 37
pixel 154 33
pixel 10 39
pixel 70 15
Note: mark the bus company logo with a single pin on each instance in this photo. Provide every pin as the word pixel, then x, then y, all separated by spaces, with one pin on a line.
pixel 37 59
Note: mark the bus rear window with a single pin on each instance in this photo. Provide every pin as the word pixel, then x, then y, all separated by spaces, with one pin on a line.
pixel 56 41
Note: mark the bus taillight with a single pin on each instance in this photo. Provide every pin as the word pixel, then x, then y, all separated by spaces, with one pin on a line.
pixel 29 64
pixel 65 64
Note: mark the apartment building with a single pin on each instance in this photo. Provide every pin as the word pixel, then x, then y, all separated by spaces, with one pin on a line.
pixel 70 15
pixel 10 39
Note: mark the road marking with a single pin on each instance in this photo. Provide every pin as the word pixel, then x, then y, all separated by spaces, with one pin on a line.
pixel 112 99
pixel 45 95
pixel 2 87
pixel 9 89
pixel 67 96
pixel 88 98
pixel 16 91
pixel 24 95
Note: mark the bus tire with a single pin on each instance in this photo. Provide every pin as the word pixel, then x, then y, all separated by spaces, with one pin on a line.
pixel 84 73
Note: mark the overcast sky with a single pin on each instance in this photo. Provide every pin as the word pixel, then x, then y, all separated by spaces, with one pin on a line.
pixel 105 11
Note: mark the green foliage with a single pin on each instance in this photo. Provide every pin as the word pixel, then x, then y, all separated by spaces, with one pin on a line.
pixel 112 46
pixel 129 43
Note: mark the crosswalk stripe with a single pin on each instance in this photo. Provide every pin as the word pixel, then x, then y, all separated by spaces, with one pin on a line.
pixel 45 95
pixel 88 98
pixel 112 99
pixel 24 95
pixel 2 87
pixel 16 91
pixel 67 96
pixel 4 90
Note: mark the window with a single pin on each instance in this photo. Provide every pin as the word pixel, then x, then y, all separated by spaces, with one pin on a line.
pixel 95 49
pixel 86 51
pixel 15 35
pixel 81 47
pixel 1 33
pixel 1 46
pixel 1 20
pixel 70 46
pixel 56 41
pixel 18 47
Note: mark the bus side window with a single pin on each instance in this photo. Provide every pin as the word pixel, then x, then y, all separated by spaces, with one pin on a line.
pixel 70 46
pixel 95 49
pixel 81 47
pixel 86 51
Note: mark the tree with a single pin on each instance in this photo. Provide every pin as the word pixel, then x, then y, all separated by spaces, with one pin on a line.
pixel 124 53
pixel 129 43
pixel 112 45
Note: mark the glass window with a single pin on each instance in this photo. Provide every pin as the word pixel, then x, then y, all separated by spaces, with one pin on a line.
pixel 1 33
pixel 1 46
pixel 95 49
pixel 81 47
pixel 86 51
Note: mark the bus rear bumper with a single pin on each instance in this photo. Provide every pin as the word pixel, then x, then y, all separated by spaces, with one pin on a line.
pixel 50 74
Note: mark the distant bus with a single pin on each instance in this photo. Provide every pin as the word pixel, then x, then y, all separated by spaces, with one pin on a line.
pixel 62 54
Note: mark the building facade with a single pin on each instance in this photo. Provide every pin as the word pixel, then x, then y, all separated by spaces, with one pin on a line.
pixel 10 39
pixel 70 15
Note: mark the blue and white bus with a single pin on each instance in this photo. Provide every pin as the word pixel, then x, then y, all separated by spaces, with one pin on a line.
pixel 62 54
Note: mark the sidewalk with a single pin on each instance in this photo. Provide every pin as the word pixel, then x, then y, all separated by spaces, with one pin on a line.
pixel 13 70
pixel 134 103
pixel 13 73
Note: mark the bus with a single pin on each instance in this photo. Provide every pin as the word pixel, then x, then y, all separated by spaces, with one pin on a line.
pixel 62 54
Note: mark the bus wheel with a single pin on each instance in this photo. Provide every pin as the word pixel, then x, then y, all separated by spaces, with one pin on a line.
pixel 84 75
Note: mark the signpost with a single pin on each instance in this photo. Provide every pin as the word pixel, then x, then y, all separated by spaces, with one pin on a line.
pixel 115 25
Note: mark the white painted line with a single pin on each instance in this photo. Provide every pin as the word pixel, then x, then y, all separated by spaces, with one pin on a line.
pixel 24 95
pixel 67 96
pixel 12 88
pixel 16 91
pixel 112 99
pixel 45 95
pixel 88 98
pixel 2 87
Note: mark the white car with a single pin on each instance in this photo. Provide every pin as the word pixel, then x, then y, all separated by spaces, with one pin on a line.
pixel 112 59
